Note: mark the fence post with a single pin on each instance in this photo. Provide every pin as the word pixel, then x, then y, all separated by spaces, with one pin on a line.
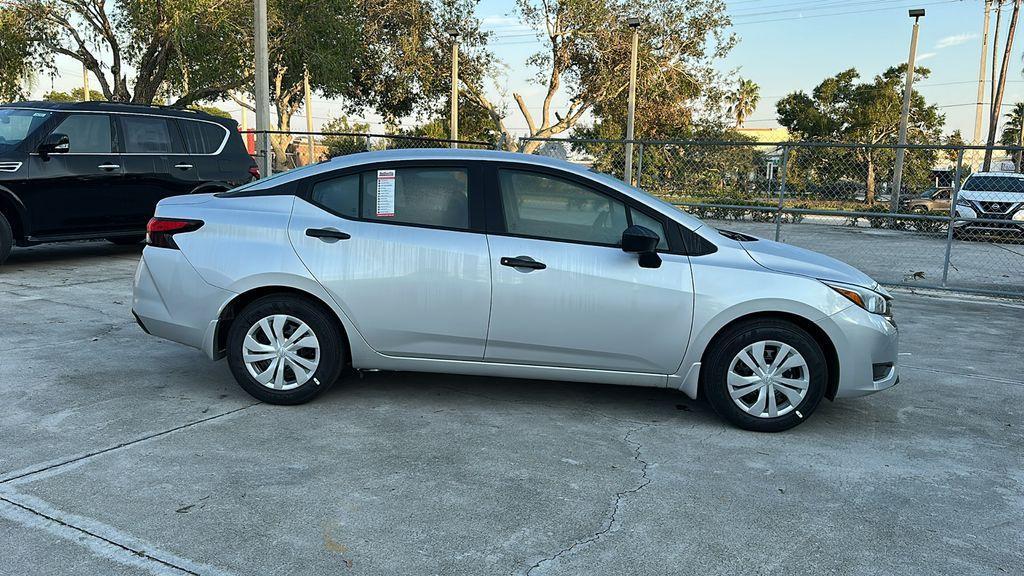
pixel 782 191
pixel 368 147
pixel 639 164
pixel 499 143
pixel 952 214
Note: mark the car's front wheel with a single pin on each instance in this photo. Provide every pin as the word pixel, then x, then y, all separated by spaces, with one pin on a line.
pixel 765 375
pixel 283 349
pixel 6 238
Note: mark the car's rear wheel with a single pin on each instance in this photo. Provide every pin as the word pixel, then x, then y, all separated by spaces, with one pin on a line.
pixel 126 240
pixel 6 238
pixel 765 375
pixel 283 349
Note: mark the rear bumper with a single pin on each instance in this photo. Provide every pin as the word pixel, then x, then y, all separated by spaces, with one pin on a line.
pixel 170 300
pixel 863 340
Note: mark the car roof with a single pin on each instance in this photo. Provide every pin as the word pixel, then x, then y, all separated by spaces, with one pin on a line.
pixel 1000 174
pixel 460 154
pixel 119 107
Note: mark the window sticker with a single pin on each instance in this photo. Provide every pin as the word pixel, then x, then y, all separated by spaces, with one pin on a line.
pixel 385 193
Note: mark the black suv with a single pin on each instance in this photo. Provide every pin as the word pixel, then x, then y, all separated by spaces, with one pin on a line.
pixel 71 171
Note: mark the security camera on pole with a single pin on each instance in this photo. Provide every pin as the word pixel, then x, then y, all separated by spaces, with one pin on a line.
pixel 897 176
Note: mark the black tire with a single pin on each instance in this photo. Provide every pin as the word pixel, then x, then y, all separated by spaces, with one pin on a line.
pixel 126 240
pixel 728 345
pixel 320 321
pixel 6 238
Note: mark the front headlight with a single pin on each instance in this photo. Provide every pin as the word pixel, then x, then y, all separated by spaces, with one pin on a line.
pixel 1018 216
pixel 965 203
pixel 867 299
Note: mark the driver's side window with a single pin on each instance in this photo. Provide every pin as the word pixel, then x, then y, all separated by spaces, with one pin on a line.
pixel 542 206
pixel 87 133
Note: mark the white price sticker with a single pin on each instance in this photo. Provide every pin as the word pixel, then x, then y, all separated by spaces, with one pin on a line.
pixel 385 193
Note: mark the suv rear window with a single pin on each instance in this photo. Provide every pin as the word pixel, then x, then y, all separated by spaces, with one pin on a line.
pixel 202 137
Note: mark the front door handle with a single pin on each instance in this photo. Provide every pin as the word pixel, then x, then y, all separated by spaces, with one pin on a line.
pixel 522 262
pixel 327 234
pixel 183 166
pixel 108 167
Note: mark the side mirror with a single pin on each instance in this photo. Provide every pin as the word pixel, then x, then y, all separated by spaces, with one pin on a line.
pixel 644 243
pixel 55 143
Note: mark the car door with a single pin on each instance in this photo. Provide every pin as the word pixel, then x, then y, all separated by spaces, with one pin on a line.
pixel 156 164
pixel 583 302
pixel 401 249
pixel 75 192
pixel 941 199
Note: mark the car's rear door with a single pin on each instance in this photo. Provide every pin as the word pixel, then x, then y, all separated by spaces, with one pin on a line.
pixel 583 302
pixel 156 163
pixel 401 248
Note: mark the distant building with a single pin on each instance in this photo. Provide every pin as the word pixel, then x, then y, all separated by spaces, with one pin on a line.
pixel 778 134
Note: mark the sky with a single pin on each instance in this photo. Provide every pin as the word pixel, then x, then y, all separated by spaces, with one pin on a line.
pixel 784 46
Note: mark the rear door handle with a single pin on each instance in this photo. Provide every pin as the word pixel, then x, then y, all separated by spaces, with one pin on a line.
pixel 522 262
pixel 108 167
pixel 327 234
pixel 183 166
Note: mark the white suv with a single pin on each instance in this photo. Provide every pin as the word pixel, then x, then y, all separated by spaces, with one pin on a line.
pixel 995 198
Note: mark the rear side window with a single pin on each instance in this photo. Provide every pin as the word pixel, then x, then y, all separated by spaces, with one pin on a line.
pixel 87 133
pixel 426 196
pixel 340 195
pixel 150 135
pixel 543 206
pixel 202 137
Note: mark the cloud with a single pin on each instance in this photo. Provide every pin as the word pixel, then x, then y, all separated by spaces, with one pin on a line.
pixel 926 56
pixel 954 40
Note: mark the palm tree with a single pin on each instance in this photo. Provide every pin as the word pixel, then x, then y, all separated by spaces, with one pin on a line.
pixel 1013 131
pixel 743 101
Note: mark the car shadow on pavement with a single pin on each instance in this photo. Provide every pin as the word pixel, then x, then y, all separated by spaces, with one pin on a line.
pixel 67 251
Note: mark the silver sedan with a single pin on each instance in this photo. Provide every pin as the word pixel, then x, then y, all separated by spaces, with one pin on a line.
pixel 511 265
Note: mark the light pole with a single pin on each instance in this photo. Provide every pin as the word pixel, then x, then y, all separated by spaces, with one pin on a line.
pixel 897 177
pixel 307 94
pixel 262 88
pixel 633 23
pixel 453 131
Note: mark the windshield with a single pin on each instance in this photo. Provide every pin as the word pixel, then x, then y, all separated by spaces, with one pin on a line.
pixel 995 184
pixel 16 125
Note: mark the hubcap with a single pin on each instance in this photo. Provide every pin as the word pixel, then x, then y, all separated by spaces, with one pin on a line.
pixel 281 352
pixel 768 379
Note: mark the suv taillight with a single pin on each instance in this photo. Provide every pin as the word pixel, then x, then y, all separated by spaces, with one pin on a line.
pixel 160 231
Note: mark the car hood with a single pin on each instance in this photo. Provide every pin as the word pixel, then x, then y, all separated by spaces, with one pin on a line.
pixel 793 260
pixel 986 196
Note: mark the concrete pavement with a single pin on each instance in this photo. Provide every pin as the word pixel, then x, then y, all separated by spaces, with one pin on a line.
pixel 125 454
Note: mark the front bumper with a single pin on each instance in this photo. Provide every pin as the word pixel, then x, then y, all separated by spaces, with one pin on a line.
pixel 172 301
pixel 863 340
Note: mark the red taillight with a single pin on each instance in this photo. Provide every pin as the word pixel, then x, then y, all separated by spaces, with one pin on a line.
pixel 255 172
pixel 160 231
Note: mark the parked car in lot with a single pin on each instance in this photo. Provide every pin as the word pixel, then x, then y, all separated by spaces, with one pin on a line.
pixel 71 171
pixel 501 264
pixel 996 199
pixel 931 200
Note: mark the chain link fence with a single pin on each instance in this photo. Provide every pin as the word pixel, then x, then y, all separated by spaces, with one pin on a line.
pixel 950 225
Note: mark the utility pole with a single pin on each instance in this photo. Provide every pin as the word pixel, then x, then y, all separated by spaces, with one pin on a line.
pixel 999 88
pixel 262 88
pixel 85 82
pixel 633 23
pixel 453 130
pixel 897 177
pixel 308 96
pixel 981 75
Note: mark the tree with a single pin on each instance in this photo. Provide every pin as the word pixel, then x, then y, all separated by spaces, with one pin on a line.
pixel 1013 132
pixel 587 52
pixel 743 101
pixel 842 110
pixel 76 95
pixel 345 137
pixel 187 47
pixel 15 68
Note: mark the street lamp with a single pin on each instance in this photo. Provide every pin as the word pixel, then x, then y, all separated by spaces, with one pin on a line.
pixel 633 23
pixel 453 130
pixel 897 177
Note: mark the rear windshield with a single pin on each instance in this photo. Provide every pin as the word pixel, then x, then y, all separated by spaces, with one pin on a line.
pixel 995 184
pixel 17 124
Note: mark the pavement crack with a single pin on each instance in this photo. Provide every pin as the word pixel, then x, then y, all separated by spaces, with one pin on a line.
pixel 56 465
pixel 610 520
pixel 90 534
